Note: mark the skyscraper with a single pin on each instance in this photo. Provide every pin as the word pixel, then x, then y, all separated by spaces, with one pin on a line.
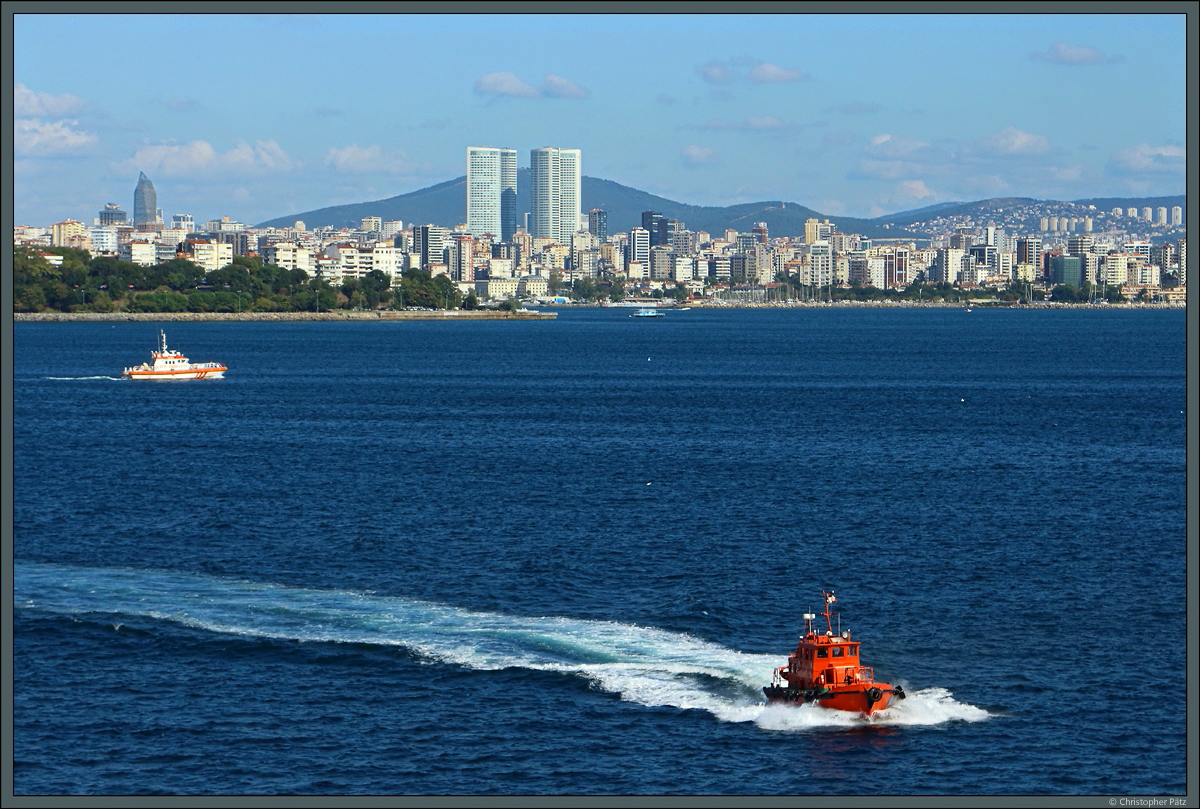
pixel 598 224
pixel 555 193
pixel 145 204
pixel 492 192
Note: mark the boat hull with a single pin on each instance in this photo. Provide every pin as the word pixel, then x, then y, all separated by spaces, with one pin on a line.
pixel 859 699
pixel 200 373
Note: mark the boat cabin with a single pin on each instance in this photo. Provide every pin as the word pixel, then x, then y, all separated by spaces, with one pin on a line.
pixel 824 659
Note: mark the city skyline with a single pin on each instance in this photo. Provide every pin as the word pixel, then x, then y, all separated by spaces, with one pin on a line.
pixel 851 115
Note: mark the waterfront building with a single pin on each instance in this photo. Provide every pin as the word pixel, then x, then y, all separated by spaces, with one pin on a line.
pixel 145 204
pixel 492 192
pixel 208 253
pixel 1066 270
pixel 555 193
pixel 820 263
pixel 289 256
pixel 1115 271
pixel 948 265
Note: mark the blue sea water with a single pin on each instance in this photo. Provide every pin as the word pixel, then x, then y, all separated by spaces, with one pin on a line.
pixel 563 557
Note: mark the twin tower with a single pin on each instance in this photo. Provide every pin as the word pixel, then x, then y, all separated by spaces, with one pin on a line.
pixel 554 193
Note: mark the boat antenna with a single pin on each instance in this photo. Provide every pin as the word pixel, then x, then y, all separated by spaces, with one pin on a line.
pixel 829 599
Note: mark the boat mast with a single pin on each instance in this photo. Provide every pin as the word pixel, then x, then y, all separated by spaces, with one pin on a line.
pixel 829 599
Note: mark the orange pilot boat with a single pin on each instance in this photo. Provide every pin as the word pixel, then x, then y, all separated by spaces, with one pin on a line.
pixel 826 669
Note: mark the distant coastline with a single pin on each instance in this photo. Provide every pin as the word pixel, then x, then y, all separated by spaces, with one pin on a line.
pixel 337 314
pixel 382 314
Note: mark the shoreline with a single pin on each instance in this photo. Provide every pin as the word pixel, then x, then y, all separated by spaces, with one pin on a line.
pixel 336 315
pixel 529 314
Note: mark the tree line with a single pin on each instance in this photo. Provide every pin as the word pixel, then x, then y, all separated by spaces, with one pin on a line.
pixel 86 283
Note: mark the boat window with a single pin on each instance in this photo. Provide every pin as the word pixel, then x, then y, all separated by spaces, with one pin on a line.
pixel 852 651
pixel 837 651
pixel 822 653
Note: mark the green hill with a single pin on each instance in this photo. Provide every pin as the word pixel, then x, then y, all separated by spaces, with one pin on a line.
pixel 446 204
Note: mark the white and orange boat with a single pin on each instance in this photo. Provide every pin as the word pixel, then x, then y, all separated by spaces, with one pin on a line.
pixel 826 669
pixel 170 364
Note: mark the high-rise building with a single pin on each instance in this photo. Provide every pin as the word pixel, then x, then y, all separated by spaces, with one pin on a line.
pixel 639 246
pixel 112 215
pixel 1177 215
pixel 555 194
pixel 1029 251
pixel 492 192
pixel 145 204
pixel 429 242
pixel 598 224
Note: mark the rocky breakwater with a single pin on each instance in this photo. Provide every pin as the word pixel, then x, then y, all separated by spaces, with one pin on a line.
pixel 337 314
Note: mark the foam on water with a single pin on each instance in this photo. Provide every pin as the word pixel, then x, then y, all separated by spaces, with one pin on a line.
pixel 76 378
pixel 644 665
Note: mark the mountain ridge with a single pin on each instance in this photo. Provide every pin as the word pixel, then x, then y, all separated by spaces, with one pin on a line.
pixel 445 204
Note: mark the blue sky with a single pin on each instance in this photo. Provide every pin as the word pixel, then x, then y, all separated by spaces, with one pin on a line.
pixel 258 116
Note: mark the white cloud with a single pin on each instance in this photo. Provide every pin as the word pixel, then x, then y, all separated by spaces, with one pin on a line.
pixel 198 156
pixel 509 84
pixel 914 190
pixel 694 155
pixel 355 159
pixel 750 123
pixel 504 84
pixel 37 138
pixel 1064 54
pixel 763 122
pixel 767 73
pixel 1012 141
pixel 1147 159
pixel 722 72
pixel 715 73
pixel 30 104
pixel 558 87
pixel 896 146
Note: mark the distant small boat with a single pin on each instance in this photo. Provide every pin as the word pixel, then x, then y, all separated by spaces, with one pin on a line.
pixel 170 364
pixel 647 313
